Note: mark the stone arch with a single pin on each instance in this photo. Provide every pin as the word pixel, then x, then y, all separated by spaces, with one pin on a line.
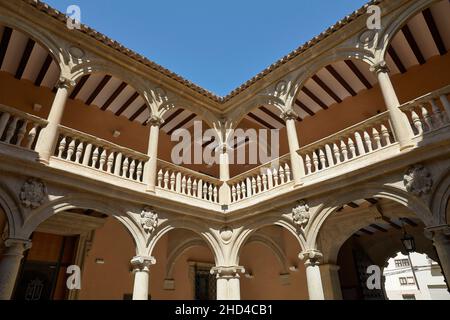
pixel 98 66
pixel 182 248
pixel 12 210
pixel 84 201
pixel 311 68
pixel 199 228
pixel 250 229
pixel 274 247
pixel 365 191
pixel 44 38
pixel 388 33
pixel 440 198
pixel 238 114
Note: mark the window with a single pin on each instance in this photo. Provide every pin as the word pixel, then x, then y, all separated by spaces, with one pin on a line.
pixel 205 284
pixel 409 297
pixel 405 281
pixel 399 263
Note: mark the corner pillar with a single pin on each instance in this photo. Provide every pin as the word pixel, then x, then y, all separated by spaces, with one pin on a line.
pixel 440 236
pixel 400 123
pixel 330 280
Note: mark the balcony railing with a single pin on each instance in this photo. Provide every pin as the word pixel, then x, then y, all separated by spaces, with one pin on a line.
pixel 19 128
pixel 429 112
pixel 187 182
pixel 90 151
pixel 351 143
pixel 367 142
pixel 261 179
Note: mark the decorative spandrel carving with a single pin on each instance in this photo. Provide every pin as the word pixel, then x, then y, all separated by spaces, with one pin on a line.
pixel 418 180
pixel 301 215
pixel 33 193
pixel 149 220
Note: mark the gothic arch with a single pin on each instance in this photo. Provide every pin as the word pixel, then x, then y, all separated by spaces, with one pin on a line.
pixel 274 247
pixel 13 211
pixel 84 201
pixel 250 229
pixel 179 250
pixel 311 68
pixel 365 191
pixel 440 198
pixel 48 42
pixel 195 226
pixel 388 33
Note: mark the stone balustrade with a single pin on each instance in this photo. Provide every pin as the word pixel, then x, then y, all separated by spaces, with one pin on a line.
pixel 187 182
pixel 96 153
pixel 19 128
pixel 261 179
pixel 429 112
pixel 356 141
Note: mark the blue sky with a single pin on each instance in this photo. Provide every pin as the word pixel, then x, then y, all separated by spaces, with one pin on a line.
pixel 216 44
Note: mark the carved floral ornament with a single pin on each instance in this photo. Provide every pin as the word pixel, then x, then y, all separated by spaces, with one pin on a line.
pixel 301 215
pixel 33 193
pixel 418 180
pixel 149 220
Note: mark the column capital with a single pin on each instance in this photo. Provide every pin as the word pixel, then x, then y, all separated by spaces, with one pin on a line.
pixel 311 257
pixel 19 244
pixel 142 263
pixel 380 67
pixel 65 83
pixel 156 121
pixel 227 272
pixel 289 114
pixel 437 233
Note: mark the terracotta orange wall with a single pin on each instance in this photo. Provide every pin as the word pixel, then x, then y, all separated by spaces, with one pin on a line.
pixel 417 81
pixel 113 279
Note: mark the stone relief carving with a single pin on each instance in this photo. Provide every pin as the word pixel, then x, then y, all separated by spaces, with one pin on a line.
pixel 418 180
pixel 149 220
pixel 301 215
pixel 226 234
pixel 33 193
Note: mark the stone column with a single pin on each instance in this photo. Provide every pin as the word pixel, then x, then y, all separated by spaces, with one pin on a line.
pixel 297 166
pixel 141 269
pixel 151 167
pixel 224 161
pixel 228 283
pixel 440 235
pixel 330 280
pixel 400 123
pixel 48 137
pixel 312 260
pixel 10 265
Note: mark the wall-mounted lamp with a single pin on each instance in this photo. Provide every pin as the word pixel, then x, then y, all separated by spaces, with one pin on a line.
pixel 293 268
pixel 37 107
pixel 116 133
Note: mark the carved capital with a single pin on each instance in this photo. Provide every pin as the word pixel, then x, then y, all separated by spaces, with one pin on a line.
pixel 301 215
pixel 155 121
pixel 380 67
pixel 311 257
pixel 142 263
pixel 64 83
pixel 16 247
pixel 33 193
pixel 418 180
pixel 227 272
pixel 437 234
pixel 149 220
pixel 289 114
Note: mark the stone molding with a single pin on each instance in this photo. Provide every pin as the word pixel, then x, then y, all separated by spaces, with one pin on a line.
pixel 33 193
pixel 311 257
pixel 142 263
pixel 227 272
